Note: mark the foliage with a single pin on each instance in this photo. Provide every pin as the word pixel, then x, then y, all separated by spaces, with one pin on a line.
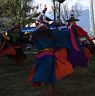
pixel 16 11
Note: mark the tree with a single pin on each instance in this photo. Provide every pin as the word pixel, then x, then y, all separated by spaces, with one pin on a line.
pixel 17 11
pixel 65 11
pixel 54 7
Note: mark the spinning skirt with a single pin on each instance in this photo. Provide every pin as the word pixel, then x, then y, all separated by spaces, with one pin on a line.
pixel 77 58
pixel 63 68
pixel 44 69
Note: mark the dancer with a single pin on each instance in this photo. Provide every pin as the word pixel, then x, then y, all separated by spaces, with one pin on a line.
pixel 62 41
pixel 78 56
pixel 44 66
pixel 43 72
pixel 6 48
pixel 11 46
pixel 16 44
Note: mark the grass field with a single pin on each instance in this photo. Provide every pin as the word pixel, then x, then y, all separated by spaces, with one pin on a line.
pixel 13 80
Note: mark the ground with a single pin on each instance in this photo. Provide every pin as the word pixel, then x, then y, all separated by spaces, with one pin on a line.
pixel 13 80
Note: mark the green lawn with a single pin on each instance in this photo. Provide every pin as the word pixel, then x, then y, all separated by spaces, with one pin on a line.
pixel 13 80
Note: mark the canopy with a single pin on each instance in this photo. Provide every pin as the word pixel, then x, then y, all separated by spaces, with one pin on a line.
pixel 32 29
pixel 28 29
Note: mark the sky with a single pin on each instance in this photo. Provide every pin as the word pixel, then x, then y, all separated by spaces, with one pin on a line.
pixel 84 3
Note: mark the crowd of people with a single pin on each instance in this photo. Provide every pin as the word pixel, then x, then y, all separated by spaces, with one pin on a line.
pixel 59 50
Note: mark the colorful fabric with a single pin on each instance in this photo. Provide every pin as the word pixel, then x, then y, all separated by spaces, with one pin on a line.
pixel 63 68
pixel 44 71
pixel 76 55
pixel 62 38
pixel 7 51
pixel 87 53
pixel 76 42
pixel 43 53
pixel 42 38
pixel 73 39
pixel 82 33
pixel 77 58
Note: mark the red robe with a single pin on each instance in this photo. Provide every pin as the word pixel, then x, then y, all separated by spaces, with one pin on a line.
pixel 82 33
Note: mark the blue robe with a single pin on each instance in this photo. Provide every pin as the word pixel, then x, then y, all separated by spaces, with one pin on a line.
pixel 44 71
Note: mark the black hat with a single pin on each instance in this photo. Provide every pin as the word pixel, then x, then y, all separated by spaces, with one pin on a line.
pixel 72 19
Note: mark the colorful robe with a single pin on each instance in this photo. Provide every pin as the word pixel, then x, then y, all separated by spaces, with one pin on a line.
pixel 67 43
pixel 46 69
pixel 78 56
pixel 62 41
pixel 43 70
